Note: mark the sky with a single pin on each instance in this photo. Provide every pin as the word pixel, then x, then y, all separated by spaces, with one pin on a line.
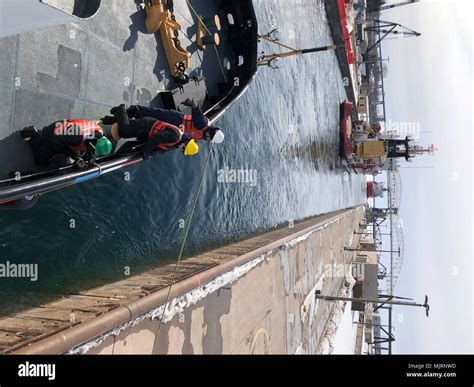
pixel 429 84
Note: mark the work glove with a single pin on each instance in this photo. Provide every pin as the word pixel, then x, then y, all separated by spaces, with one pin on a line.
pixel 80 163
pixel 28 132
pixel 190 102
pixel 90 158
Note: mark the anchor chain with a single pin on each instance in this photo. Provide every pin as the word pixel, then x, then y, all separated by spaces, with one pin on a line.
pixel 181 65
pixel 181 77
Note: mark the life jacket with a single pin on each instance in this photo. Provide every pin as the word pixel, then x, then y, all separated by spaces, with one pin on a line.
pixel 190 128
pixel 87 129
pixel 159 126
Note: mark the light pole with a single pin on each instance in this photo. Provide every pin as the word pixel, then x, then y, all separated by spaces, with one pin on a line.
pixel 377 251
pixel 368 233
pixel 390 301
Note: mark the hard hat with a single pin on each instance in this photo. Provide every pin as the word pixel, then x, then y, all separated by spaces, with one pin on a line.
pixel 103 147
pixel 218 137
pixel 191 148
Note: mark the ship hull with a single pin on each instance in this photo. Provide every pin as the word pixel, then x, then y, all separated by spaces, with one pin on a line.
pixel 345 127
pixel 370 190
pixel 215 88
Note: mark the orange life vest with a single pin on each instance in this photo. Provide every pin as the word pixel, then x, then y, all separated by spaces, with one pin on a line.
pixel 159 126
pixel 87 129
pixel 190 128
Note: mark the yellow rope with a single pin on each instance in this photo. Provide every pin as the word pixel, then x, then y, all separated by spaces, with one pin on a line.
pixel 209 32
pixel 188 226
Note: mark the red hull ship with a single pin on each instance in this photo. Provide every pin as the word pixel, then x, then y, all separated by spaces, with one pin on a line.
pixel 346 132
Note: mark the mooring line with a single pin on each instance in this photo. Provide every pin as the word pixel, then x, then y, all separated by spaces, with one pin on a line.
pixel 188 226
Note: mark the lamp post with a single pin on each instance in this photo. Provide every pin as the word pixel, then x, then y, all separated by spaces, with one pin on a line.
pixel 377 251
pixel 390 301
pixel 368 233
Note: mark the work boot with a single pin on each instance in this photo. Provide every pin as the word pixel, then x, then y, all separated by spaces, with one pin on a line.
pixel 121 115
pixel 132 111
pixel 28 132
pixel 108 120
pixel 115 108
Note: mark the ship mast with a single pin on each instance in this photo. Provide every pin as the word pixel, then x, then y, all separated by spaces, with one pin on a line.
pixel 388 28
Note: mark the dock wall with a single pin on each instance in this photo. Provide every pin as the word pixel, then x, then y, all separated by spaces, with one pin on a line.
pixel 253 296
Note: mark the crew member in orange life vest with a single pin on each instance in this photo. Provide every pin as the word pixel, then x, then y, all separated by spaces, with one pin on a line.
pixel 195 124
pixel 158 136
pixel 81 140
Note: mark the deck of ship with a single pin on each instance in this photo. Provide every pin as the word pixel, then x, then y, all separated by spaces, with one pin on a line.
pixel 85 68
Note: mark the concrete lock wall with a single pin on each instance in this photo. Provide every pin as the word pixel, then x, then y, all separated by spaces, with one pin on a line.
pixel 252 296
pixel 269 309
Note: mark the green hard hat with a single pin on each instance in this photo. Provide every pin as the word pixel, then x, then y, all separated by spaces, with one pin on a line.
pixel 103 147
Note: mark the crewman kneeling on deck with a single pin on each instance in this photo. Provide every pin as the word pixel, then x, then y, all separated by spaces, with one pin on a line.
pixel 82 140
pixel 195 124
pixel 159 136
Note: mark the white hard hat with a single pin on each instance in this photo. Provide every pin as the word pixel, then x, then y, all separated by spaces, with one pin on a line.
pixel 218 137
